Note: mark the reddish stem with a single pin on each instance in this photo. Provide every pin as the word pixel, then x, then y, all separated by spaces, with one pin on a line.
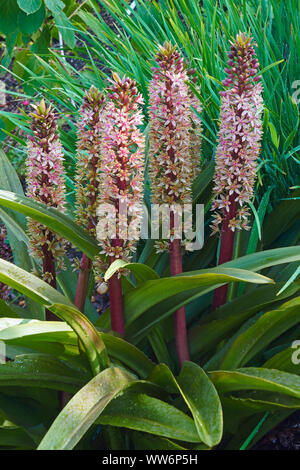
pixel 83 282
pixel 116 303
pixel 180 329
pixel 49 267
pixel 226 250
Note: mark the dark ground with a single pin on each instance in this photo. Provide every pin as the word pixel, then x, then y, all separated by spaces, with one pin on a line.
pixel 285 436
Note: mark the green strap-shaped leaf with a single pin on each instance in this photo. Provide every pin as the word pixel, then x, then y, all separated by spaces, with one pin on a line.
pixel 50 298
pixel 199 394
pixel 149 297
pixel 252 378
pixel 43 371
pixel 268 327
pixel 36 333
pixel 53 219
pixel 287 360
pixel 14 436
pixel 222 322
pixel 261 259
pixel 140 412
pixel 83 409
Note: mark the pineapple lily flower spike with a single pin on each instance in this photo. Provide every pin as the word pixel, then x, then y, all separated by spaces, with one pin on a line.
pixel 45 183
pixel 89 132
pixel 121 183
pixel 174 157
pixel 238 148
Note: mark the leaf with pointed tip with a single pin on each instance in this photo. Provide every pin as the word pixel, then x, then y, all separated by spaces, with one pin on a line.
pixel 199 394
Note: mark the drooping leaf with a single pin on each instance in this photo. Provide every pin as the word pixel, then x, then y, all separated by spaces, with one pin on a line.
pixel 83 409
pixel 199 394
pixel 143 307
pixel 50 298
pixel 268 327
pixel 41 370
pixel 252 378
pixel 52 218
pixel 141 412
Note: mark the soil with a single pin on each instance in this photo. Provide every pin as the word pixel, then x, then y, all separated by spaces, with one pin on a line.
pixel 285 436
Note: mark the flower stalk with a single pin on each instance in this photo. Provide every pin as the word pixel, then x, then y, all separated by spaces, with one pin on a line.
pixel 45 183
pixel 238 148
pixel 174 144
pixel 89 131
pixel 121 184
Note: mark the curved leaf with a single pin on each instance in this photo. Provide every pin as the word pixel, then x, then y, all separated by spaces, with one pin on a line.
pixel 50 298
pixel 32 333
pixel 252 378
pixel 284 361
pixel 268 327
pixel 218 324
pixel 53 219
pixel 199 394
pixel 140 305
pixel 143 413
pixel 83 409
pixel 41 370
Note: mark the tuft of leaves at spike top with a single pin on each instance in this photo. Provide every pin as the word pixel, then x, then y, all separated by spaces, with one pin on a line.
pixel 45 182
pixel 239 137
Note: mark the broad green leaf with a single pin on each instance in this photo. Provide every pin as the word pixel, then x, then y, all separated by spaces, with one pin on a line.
pixel 252 378
pixel 53 219
pixel 268 327
pixel 143 441
pixel 32 333
pixel 9 11
pixel 199 394
pixel 287 360
pixel 259 400
pixel 140 305
pixel 6 311
pixel 140 412
pixel 50 298
pixel 14 436
pixel 262 259
pixel 204 402
pixel 29 6
pixel 29 24
pixel 255 261
pixel 217 325
pixel 84 408
pixel 41 370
